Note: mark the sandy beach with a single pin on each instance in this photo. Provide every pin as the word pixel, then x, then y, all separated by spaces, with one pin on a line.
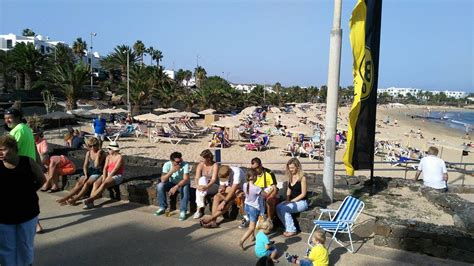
pixel 449 142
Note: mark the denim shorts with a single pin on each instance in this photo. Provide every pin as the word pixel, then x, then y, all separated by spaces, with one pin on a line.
pixel 270 251
pixel 93 178
pixel 252 213
pixel 118 179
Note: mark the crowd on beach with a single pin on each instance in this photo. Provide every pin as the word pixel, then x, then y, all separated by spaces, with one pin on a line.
pixel 26 154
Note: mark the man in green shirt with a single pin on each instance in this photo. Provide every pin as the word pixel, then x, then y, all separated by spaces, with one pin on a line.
pixel 21 132
pixel 24 139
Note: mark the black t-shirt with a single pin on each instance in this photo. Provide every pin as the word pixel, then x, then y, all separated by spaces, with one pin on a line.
pixel 18 198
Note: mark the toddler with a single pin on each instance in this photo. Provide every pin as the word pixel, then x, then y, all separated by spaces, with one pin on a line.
pixel 263 245
pixel 318 254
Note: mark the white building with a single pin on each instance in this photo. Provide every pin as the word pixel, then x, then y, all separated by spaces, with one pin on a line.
pixel 245 88
pixel 96 67
pixel 452 94
pixel 395 92
pixel 42 44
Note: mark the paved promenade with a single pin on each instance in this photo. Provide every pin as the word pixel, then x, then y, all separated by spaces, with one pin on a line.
pixel 120 233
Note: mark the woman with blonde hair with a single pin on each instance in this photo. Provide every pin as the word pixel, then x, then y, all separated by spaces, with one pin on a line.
pixel 296 200
pixel 205 179
pixel 92 169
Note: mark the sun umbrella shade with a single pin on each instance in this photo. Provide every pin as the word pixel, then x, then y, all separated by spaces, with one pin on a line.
pixel 207 112
pixel 227 122
pixel 58 115
pixel 149 117
pixel 275 110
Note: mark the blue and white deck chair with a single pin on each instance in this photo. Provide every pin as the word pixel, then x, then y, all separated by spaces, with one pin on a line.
pixel 340 221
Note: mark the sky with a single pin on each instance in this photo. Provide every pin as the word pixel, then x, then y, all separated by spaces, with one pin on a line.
pixel 425 44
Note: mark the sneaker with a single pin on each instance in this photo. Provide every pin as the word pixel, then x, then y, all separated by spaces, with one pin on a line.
pixel 88 205
pixel 291 258
pixel 197 215
pixel 182 216
pixel 160 211
pixel 244 224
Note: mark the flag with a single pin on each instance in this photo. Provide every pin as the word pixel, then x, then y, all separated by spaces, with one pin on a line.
pixel 365 41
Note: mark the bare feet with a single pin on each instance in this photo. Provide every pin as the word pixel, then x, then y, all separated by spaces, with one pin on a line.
pixel 241 245
pixel 62 201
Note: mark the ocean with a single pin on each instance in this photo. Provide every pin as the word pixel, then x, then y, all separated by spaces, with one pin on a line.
pixel 460 120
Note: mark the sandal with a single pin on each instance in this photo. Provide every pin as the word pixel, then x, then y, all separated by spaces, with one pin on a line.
pixel 211 225
pixel 289 234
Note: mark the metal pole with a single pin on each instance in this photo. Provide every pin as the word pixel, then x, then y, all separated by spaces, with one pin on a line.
pixel 332 102
pixel 129 108
pixel 90 65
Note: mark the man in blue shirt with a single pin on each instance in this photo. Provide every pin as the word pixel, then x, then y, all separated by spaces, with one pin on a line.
pixel 99 128
pixel 174 177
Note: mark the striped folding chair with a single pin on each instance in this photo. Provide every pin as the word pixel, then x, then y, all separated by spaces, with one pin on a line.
pixel 340 221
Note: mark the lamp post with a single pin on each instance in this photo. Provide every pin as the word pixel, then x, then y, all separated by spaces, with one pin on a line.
pixel 129 107
pixel 93 34
pixel 332 102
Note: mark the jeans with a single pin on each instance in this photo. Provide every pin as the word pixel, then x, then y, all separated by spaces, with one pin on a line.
pixel 305 262
pixel 285 209
pixel 16 243
pixel 164 187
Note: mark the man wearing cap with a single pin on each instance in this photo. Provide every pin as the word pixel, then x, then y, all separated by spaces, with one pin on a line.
pixel 231 180
pixel 21 132
pixel 174 177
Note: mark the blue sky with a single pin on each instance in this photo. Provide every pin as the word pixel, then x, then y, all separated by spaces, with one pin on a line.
pixel 425 43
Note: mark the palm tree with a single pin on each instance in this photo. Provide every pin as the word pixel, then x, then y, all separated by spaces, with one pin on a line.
pixel 150 50
pixel 6 65
pixel 200 74
pixel 157 55
pixel 119 59
pixel 28 33
pixel 141 84
pixel 139 49
pixel 70 78
pixel 164 88
pixel 79 47
pixel 277 89
pixel 188 75
pixel 27 60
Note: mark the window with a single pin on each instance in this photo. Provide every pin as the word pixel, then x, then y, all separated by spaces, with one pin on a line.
pixel 9 44
pixel 42 49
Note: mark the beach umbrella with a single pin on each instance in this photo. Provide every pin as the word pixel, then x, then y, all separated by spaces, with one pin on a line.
pixel 58 115
pixel 301 130
pixel 227 122
pixel 275 110
pixel 188 114
pixel 165 110
pixel 116 111
pixel 98 111
pixel 249 110
pixel 151 117
pixel 207 112
pixel 80 112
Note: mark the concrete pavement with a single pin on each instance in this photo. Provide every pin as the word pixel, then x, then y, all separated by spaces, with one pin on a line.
pixel 121 233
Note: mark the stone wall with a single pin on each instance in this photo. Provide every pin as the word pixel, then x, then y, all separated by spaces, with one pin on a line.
pixel 434 240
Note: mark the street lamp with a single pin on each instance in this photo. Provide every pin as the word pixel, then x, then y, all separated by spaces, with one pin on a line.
pixel 93 34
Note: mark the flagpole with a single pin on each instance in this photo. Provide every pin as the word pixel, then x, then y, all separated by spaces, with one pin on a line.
pixel 332 103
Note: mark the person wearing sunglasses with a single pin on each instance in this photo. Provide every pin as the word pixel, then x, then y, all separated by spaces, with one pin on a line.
pixel 92 169
pixel 175 176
